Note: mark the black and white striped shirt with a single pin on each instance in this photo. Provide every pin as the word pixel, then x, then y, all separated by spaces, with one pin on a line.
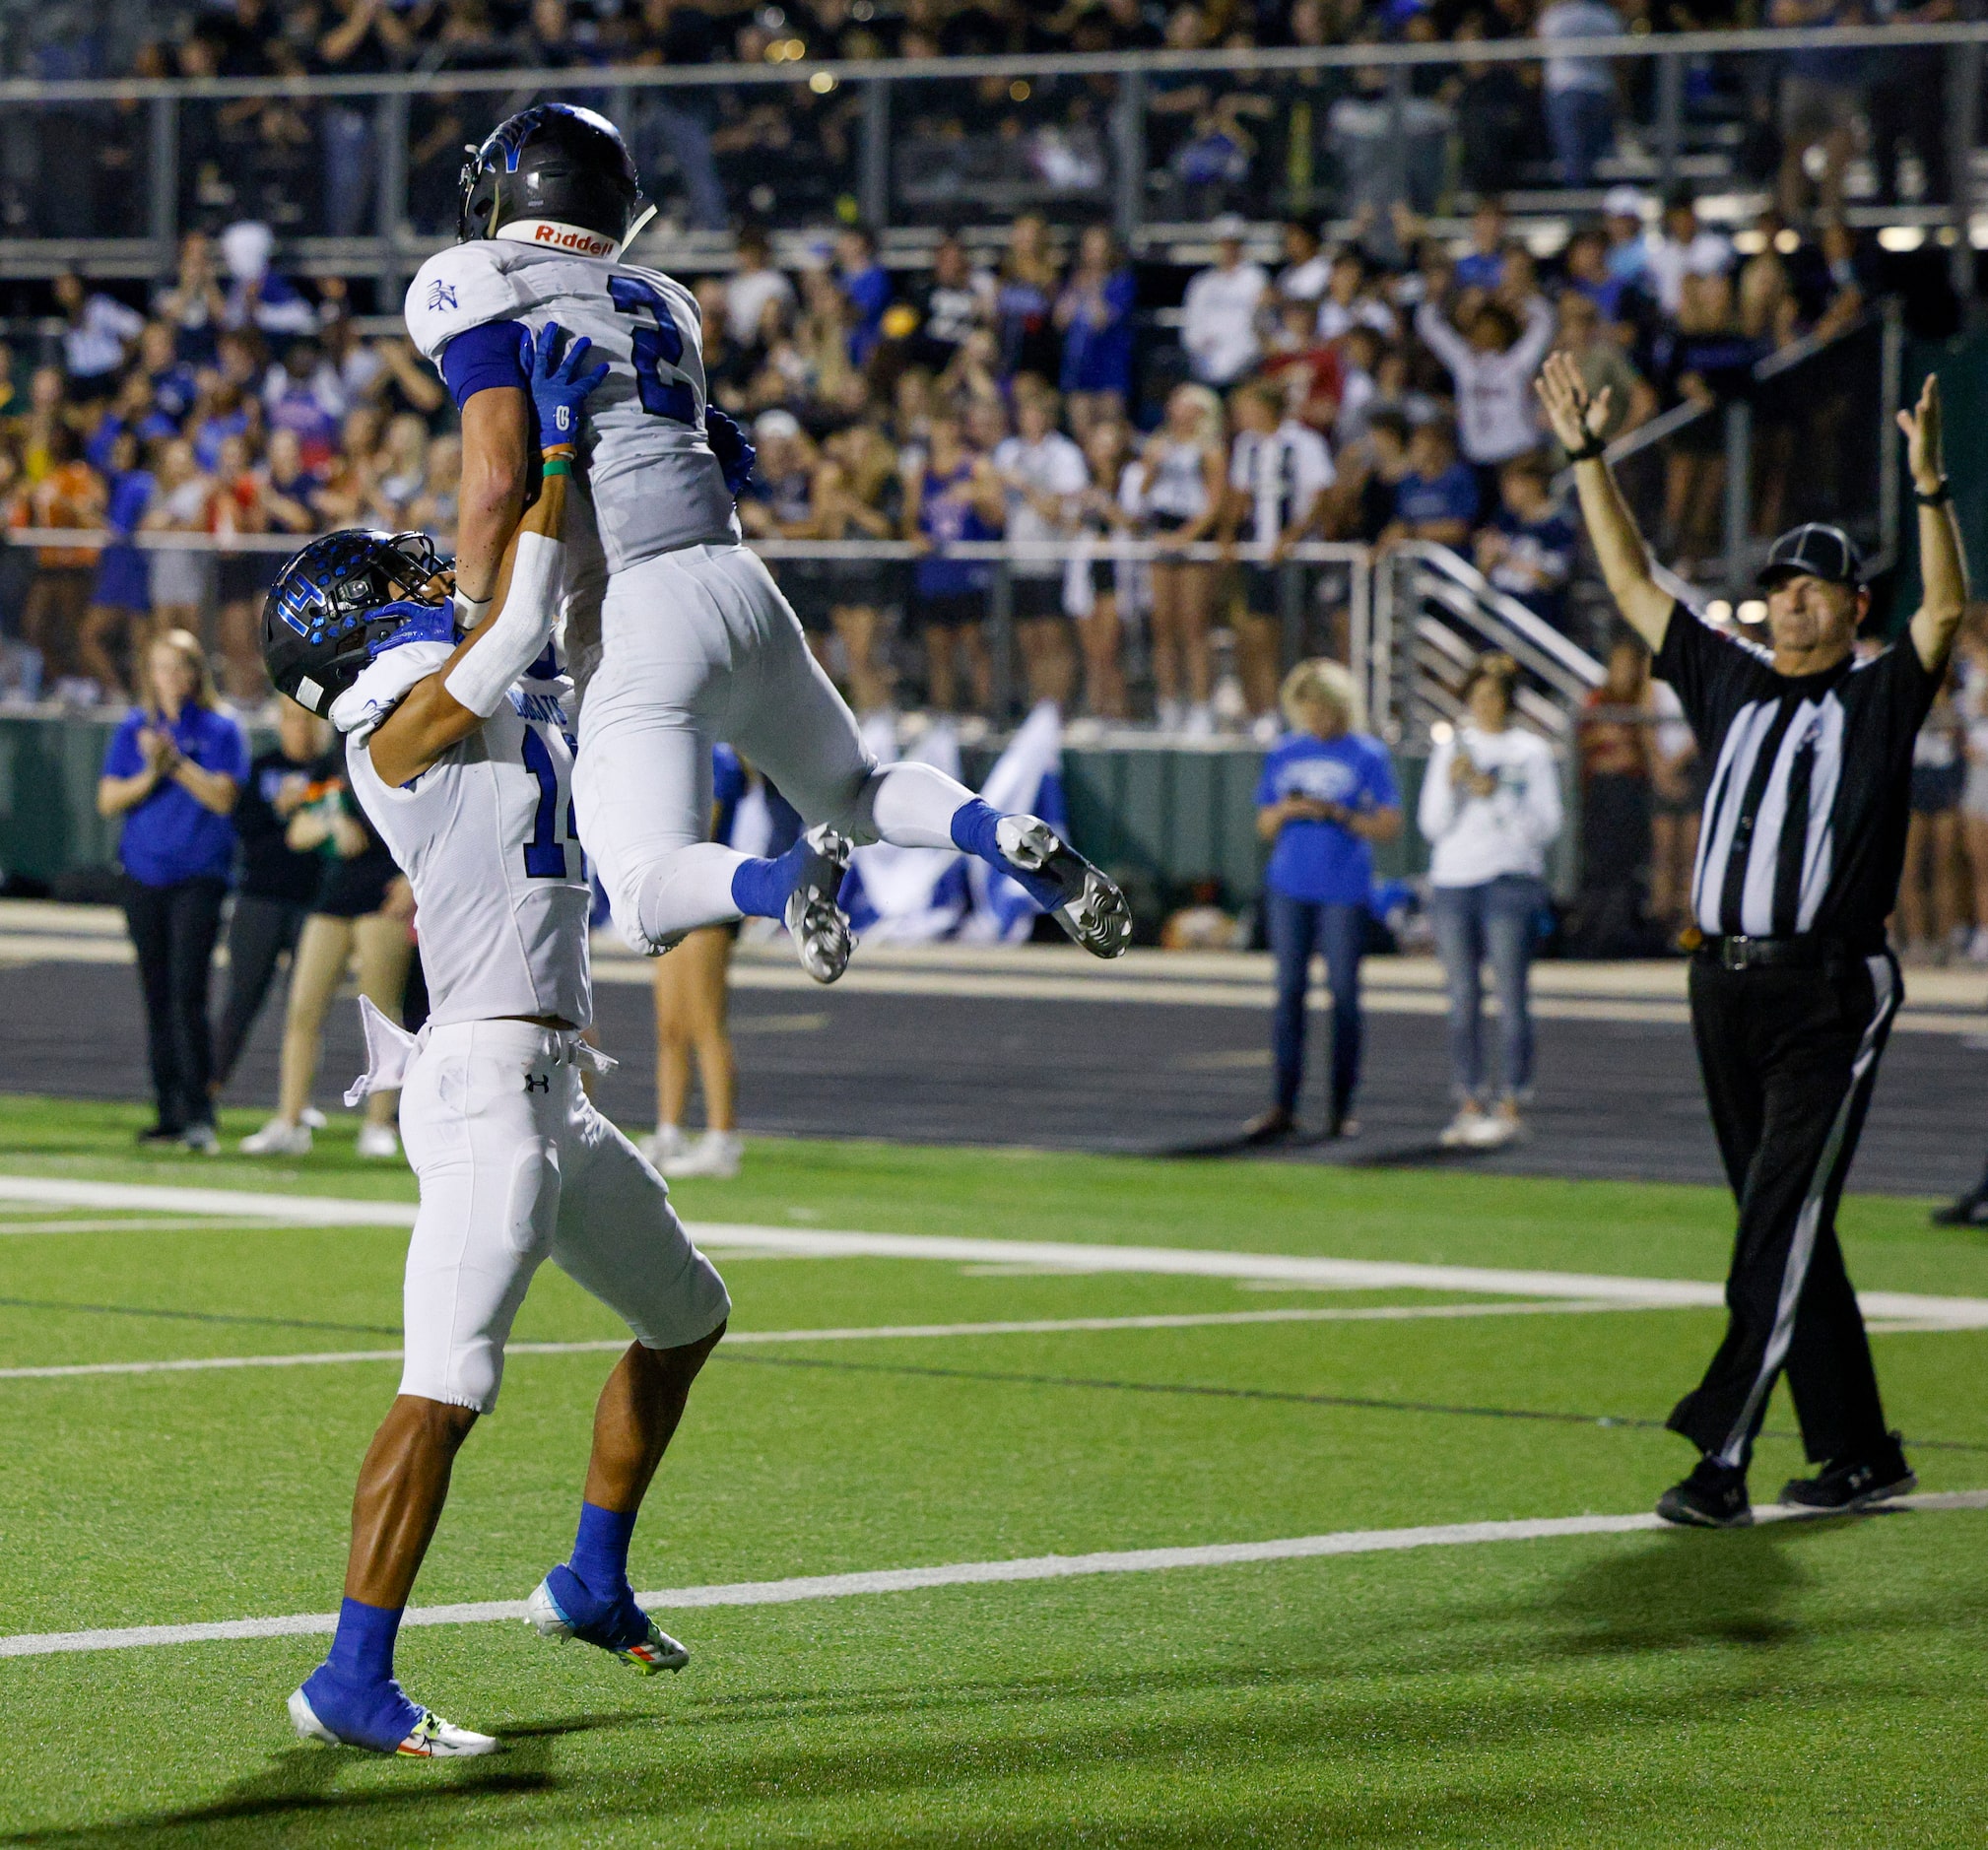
pixel 1803 825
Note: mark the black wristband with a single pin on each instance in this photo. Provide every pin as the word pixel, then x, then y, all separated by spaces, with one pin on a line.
pixel 1940 496
pixel 1589 451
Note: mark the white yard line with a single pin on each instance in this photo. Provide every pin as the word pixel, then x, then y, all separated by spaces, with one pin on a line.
pixel 955 1574
pixel 1292 1270
pixel 1042 1326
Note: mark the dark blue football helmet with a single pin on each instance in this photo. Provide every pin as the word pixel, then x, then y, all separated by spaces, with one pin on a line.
pixel 341 601
pixel 551 162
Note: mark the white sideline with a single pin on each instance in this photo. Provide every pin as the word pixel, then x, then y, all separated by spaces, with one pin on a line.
pixel 1043 1326
pixel 1301 1273
pixel 955 1574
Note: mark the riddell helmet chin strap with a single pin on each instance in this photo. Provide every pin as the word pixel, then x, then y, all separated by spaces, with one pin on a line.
pixel 552 234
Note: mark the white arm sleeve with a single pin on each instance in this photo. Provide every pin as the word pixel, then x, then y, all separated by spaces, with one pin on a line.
pixel 516 637
pixel 1435 809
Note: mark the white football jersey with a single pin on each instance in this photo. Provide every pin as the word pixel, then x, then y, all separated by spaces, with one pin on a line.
pixel 486 836
pixel 645 466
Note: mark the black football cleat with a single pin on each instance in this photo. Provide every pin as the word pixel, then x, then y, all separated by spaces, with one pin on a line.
pixel 1714 1496
pixel 1845 1485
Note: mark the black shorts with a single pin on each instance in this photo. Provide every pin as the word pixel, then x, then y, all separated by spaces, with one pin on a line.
pixel 245 577
pixel 355 887
pixel 1936 789
pixel 949 610
pixel 804 583
pixel 1263 590
pixel 1033 598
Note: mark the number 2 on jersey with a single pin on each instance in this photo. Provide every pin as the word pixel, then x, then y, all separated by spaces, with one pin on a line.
pixel 657 349
pixel 545 853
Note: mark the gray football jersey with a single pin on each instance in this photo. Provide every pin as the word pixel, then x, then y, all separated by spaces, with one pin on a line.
pixel 647 470
pixel 486 838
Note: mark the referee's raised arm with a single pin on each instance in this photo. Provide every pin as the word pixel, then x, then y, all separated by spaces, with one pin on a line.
pixel 1578 420
pixel 1943 566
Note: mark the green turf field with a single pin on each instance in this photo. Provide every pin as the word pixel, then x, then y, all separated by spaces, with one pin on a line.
pixel 1798 1683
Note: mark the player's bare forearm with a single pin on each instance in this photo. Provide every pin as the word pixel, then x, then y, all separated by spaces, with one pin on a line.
pixel 431 719
pixel 1943 565
pixel 496 473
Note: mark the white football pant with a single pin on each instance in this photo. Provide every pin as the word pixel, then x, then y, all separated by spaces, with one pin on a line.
pixel 517 1166
pixel 699 645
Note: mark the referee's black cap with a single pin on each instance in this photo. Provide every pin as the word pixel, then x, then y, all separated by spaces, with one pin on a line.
pixel 1813 551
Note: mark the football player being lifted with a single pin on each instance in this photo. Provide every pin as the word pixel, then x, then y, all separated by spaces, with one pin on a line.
pixel 676 631
pixel 458 748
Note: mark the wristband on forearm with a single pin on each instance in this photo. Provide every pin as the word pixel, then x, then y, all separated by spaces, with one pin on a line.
pixel 517 634
pixel 1938 497
pixel 556 459
pixel 1590 451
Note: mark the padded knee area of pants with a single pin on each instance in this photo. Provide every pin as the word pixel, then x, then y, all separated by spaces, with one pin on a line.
pixel 680 890
pixel 912 805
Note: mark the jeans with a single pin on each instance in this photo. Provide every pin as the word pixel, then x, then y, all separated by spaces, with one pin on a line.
pixel 1581 125
pixel 173 930
pixel 1493 921
pixel 683 135
pixel 1298 929
pixel 351 200
pixel 259 931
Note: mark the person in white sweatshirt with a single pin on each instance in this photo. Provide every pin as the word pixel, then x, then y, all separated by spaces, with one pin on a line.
pixel 1489 809
pixel 1492 363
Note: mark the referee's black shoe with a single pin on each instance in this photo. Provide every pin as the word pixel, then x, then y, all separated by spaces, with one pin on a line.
pixel 1972 1209
pixel 1714 1496
pixel 1851 1483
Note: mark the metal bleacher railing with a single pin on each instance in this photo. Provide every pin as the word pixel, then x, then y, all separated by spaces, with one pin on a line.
pixel 357 173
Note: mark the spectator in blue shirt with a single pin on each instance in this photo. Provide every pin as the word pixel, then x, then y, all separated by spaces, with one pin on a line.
pixel 1437 500
pixel 1528 549
pixel 1095 312
pixel 1326 795
pixel 173 770
pixel 867 286
pixel 121 597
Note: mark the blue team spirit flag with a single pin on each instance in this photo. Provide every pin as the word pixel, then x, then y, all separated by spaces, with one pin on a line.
pixel 1027 777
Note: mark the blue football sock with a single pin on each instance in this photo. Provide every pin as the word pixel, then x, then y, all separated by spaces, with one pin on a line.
pixel 601 1548
pixel 361 1649
pixel 762 889
pixel 974 826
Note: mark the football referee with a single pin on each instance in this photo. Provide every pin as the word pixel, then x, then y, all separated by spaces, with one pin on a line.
pixel 1793 988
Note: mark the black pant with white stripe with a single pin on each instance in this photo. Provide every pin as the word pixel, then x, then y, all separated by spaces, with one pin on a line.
pixel 1789 1056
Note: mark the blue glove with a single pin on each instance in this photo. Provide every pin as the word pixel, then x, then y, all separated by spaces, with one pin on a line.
pixel 558 387
pixel 736 456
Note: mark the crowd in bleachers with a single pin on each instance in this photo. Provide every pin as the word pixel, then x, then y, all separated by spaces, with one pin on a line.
pixel 1324 396
pixel 1270 143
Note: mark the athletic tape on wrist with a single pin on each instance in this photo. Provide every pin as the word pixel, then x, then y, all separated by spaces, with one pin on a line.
pixel 517 634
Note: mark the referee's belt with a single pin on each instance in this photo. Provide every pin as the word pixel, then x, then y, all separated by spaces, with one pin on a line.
pixel 1736 951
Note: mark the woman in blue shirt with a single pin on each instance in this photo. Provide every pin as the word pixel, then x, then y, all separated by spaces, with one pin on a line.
pixel 1326 795
pixel 172 771
pixel 1095 314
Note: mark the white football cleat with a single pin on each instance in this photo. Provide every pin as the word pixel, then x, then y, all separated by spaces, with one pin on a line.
pixel 716 1154
pixel 1092 909
pixel 312 1118
pixel 664 1146
pixel 817 925
pixel 277 1139
pixel 377 1141
pixel 655 1653
pixel 430 1739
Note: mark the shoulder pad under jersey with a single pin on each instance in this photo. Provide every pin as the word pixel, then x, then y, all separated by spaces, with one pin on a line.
pixel 383 685
pixel 460 287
